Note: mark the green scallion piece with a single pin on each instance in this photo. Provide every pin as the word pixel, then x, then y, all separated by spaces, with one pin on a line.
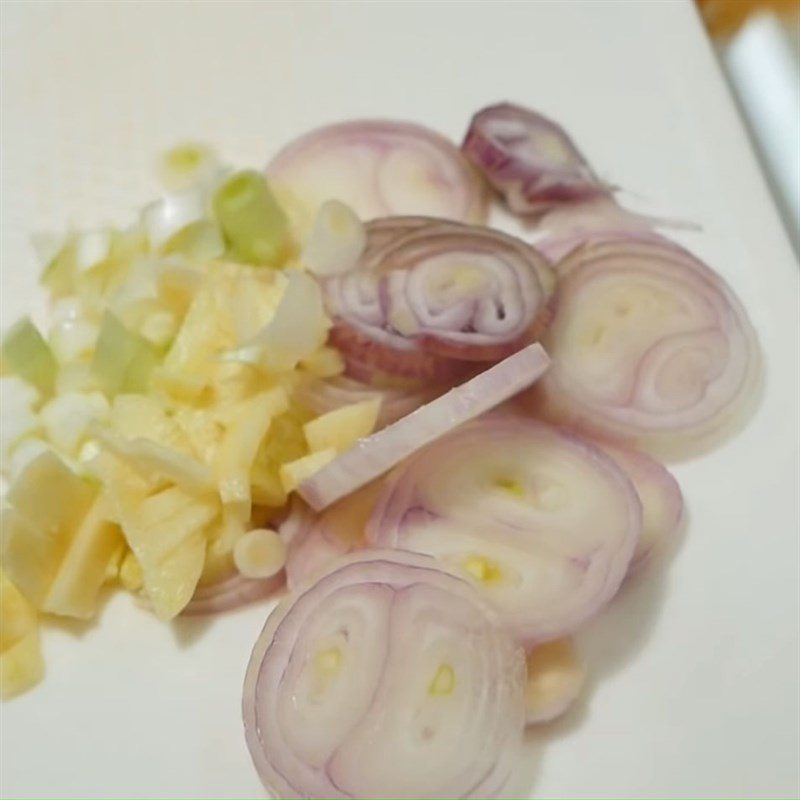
pixel 254 225
pixel 29 356
pixel 123 360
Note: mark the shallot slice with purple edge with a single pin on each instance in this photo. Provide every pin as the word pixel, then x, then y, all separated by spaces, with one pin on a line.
pixel 386 678
pixel 371 457
pixel 556 676
pixel 542 523
pixel 659 494
pixel 385 231
pixel 380 168
pixel 428 294
pixel 381 358
pixel 529 160
pixel 230 593
pixel 296 521
pixel 649 347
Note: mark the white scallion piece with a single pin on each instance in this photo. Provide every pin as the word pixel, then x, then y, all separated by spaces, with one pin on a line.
pixel 336 241
pixel 259 553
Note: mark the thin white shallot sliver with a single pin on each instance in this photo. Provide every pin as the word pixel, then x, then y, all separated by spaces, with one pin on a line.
pixel 376 454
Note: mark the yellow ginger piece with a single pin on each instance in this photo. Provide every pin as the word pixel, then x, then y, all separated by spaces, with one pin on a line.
pixel 166 531
pixel 36 535
pixel 341 428
pixel 21 664
pixel 294 473
pixel 76 586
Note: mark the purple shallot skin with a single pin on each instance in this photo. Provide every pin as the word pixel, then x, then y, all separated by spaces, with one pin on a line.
pixel 529 159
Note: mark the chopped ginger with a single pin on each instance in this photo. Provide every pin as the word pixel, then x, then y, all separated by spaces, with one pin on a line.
pixel 341 428
pixel 17 615
pixel 295 472
pixel 21 666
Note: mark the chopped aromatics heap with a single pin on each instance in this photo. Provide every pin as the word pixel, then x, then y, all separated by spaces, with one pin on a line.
pixel 541 523
pixel 386 678
pixel 373 456
pixel 529 159
pixel 161 406
pixel 648 346
pixel 379 168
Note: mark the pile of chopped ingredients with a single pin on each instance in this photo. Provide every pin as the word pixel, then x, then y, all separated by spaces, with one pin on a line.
pixel 333 376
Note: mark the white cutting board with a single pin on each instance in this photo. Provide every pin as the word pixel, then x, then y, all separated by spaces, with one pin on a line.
pixel 695 667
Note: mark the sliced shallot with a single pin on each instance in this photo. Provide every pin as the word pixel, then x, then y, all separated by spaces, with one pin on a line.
pixel 386 678
pixel 431 290
pixel 659 494
pixel 542 523
pixel 529 159
pixel 380 168
pixel 382 358
pixel 230 593
pixel 555 679
pixel 378 453
pixel 649 346
pixel 296 521
pixel 386 230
